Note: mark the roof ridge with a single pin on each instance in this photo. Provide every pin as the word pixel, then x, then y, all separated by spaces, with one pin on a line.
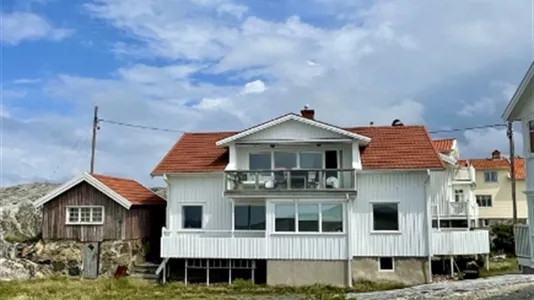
pixel 111 176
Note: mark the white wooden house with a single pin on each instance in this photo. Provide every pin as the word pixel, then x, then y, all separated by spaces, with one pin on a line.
pixel 298 201
pixel 521 108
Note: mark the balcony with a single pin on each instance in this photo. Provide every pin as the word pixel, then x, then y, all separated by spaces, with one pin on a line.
pixel 262 182
pixel 455 209
pixel 465 174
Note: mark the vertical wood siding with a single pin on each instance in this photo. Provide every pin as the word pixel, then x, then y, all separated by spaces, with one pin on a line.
pixel 405 188
pixel 119 223
pixel 460 242
pixel 291 130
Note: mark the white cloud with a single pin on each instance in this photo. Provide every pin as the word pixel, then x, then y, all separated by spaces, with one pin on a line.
pixel 480 143
pixel 376 63
pixel 21 26
pixel 26 81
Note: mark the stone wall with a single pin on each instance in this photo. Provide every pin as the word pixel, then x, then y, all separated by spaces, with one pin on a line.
pixel 306 272
pixel 65 258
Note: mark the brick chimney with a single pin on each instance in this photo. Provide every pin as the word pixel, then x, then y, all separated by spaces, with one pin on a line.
pixel 307 113
pixel 496 154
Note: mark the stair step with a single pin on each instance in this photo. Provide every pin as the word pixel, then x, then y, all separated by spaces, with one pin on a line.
pixel 144 270
pixel 145 276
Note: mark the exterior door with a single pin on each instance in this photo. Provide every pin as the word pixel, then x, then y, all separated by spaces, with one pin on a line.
pixel 90 260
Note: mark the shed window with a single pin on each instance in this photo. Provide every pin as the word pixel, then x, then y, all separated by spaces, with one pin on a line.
pixel 84 215
pixel 531 135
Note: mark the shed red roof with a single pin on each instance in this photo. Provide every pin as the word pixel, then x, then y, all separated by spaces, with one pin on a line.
pixel 443 145
pixel 391 147
pixel 131 190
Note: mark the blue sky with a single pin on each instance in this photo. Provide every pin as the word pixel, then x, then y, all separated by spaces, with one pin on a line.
pixel 226 64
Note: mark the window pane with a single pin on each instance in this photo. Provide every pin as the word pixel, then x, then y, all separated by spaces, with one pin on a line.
pixel 97 214
pixel 385 216
pixel 284 217
pixel 85 215
pixel 74 215
pixel 249 217
pixel 332 215
pixel 386 263
pixel 308 217
pixel 259 161
pixel 192 216
pixel 286 160
pixel 311 160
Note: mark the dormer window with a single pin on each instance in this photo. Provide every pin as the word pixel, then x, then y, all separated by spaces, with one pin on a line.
pixel 531 135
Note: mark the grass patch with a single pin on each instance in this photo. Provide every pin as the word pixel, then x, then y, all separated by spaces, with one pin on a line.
pixel 128 288
pixel 500 267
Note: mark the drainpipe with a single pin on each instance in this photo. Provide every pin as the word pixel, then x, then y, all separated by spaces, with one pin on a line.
pixel 429 224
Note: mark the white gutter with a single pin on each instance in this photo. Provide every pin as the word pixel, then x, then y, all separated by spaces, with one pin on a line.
pixel 429 224
pixel 349 216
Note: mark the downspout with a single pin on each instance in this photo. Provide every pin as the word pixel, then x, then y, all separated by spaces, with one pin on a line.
pixel 349 215
pixel 429 224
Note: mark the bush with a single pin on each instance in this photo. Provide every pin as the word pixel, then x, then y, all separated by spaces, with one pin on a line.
pixel 502 236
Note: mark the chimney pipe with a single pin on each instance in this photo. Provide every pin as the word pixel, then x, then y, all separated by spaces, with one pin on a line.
pixel 307 113
pixel 496 154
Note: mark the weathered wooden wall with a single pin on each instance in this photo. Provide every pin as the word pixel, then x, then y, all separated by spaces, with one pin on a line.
pixel 119 223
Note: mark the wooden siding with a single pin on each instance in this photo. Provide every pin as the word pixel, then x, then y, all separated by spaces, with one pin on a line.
pixel 119 223
pixel 460 242
pixel 408 190
pixel 292 130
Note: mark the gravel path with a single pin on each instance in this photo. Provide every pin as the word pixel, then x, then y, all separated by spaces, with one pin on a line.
pixel 508 287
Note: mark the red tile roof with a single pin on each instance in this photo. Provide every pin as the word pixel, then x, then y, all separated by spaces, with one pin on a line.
pixel 443 145
pixel 131 190
pixel 502 163
pixel 519 164
pixel 391 147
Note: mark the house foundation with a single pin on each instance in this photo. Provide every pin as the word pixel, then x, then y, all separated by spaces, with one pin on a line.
pixel 406 270
pixel 306 272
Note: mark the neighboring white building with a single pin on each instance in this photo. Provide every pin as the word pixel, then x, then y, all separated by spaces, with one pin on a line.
pixel 521 108
pixel 298 201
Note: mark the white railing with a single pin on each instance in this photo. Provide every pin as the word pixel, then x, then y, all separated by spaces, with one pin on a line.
pixel 465 174
pixel 455 209
pixel 460 242
pixel 252 245
pixel 522 241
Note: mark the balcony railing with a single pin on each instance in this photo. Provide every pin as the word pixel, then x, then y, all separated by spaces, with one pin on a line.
pixel 522 241
pixel 465 174
pixel 290 180
pixel 455 209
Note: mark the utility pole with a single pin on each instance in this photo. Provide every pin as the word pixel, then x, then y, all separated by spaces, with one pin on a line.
pixel 93 143
pixel 510 134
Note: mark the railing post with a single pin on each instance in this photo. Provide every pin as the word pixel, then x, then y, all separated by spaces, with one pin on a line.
pixel 256 181
pixel 288 179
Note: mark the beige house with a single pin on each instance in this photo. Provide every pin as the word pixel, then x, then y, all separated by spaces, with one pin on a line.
pixel 494 188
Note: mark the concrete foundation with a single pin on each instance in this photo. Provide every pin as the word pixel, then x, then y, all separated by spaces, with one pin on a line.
pixel 527 270
pixel 410 271
pixel 306 272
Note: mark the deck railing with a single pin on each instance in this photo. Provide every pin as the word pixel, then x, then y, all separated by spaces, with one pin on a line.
pixel 522 240
pixel 460 242
pixel 455 209
pixel 465 174
pixel 290 180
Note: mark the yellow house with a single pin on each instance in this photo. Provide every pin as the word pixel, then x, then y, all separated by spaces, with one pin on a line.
pixel 494 188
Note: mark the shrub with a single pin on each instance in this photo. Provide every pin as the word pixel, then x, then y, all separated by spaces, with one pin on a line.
pixel 502 239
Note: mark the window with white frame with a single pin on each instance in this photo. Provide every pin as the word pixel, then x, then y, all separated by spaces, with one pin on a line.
pixel 459 195
pixel 386 264
pixel 484 200
pixel 385 216
pixel 490 176
pixel 85 215
pixel 249 217
pixel 309 217
pixel 192 216
pixel 286 160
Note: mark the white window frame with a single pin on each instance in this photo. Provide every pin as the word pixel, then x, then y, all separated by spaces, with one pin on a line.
pixel 484 195
pixel 459 195
pixel 249 204
pixel 296 152
pixel 295 207
pixel 491 172
pixel 373 231
pixel 386 270
pixel 182 219
pixel 79 207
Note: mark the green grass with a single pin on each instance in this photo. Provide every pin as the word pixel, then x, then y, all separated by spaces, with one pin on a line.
pixel 500 267
pixel 128 288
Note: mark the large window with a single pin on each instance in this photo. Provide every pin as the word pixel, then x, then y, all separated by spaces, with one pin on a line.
pixel 484 200
pixel 85 215
pixel 309 217
pixel 531 135
pixel 285 160
pixel 311 160
pixel 385 216
pixel 192 216
pixel 490 176
pixel 260 161
pixel 249 217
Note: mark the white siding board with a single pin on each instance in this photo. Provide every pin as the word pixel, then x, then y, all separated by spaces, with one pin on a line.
pixel 407 189
pixel 292 130
pixel 308 247
pixel 460 242
pixel 191 246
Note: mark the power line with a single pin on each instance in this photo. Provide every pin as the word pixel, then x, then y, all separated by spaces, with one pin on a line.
pixel 182 131
pixel 140 126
